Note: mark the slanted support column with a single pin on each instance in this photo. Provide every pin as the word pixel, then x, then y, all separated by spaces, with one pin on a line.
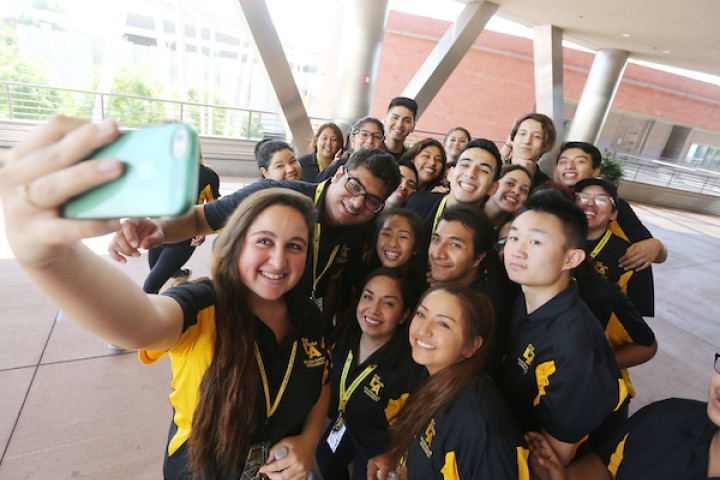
pixel 446 55
pixel 273 56
pixel 602 83
pixel 363 29
pixel 548 53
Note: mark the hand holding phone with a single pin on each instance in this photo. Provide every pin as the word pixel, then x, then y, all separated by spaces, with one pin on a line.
pixel 160 178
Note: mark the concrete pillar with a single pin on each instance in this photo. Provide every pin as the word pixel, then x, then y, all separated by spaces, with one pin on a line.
pixel 363 29
pixel 448 52
pixel 549 98
pixel 602 82
pixel 273 56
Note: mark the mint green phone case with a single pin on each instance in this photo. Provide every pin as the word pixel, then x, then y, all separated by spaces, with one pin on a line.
pixel 160 179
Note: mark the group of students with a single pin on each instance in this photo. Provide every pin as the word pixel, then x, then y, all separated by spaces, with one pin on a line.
pixel 411 312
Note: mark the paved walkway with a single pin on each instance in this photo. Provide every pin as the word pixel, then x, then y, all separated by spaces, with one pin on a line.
pixel 72 408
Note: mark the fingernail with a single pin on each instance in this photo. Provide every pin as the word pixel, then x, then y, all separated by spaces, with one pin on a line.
pixel 108 165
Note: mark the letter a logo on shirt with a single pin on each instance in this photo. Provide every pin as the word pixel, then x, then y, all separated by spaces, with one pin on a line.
pixel 527 358
pixel 376 384
pixel 310 350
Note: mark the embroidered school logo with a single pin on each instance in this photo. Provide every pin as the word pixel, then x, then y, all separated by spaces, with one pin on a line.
pixel 314 357
pixel 527 358
pixel 601 268
pixel 426 441
pixel 373 389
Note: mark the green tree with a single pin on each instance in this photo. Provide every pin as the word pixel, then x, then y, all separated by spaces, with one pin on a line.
pixel 136 81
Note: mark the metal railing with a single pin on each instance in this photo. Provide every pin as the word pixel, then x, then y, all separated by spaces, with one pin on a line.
pixel 24 102
pixel 671 175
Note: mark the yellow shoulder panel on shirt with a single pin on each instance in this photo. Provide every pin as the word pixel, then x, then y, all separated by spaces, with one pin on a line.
pixel 617 457
pixel 393 407
pixel 542 378
pixel 450 470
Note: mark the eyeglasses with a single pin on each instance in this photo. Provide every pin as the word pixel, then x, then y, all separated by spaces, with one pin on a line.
pixel 356 189
pixel 601 200
pixel 365 134
pixel 717 363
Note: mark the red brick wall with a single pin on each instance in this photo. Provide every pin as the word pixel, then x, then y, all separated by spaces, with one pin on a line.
pixel 494 83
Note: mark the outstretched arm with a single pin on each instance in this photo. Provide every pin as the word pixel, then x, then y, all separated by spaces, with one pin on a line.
pixel 39 176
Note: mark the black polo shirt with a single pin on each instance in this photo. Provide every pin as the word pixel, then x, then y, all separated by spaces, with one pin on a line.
pixel 348 237
pixel 309 165
pixel 560 374
pixel 193 353
pixel 604 254
pixel 377 398
pixel 618 316
pixel 628 225
pixel 474 436
pixel 426 205
pixel 669 439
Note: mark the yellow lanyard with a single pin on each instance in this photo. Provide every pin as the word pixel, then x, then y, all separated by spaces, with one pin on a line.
pixel 270 409
pixel 440 209
pixel 603 241
pixel 321 167
pixel 346 392
pixel 316 245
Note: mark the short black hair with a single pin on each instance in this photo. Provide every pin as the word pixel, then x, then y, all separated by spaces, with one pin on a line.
pixel 266 148
pixel 406 102
pixel 405 162
pixel 475 220
pixel 586 147
pixel 382 165
pixel 571 217
pixel 490 147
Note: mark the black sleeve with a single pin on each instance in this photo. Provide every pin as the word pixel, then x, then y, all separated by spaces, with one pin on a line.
pixel 630 224
pixel 192 297
pixel 630 327
pixel 218 211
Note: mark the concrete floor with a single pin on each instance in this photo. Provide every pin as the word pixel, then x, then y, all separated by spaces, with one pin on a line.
pixel 72 408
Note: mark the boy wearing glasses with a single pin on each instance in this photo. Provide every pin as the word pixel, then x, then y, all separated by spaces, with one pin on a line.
pixel 345 204
pixel 598 198
pixel 581 160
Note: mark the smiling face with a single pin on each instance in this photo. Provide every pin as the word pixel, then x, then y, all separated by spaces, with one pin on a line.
pixel 341 208
pixel 282 166
pixel 455 142
pixel 574 165
pixel 367 135
pixel 396 242
pixel 513 190
pixel 429 164
pixel 273 252
pixel 536 255
pixel 471 181
pixel 452 254
pixel 598 216
pixel 528 144
pixel 399 123
pixel 408 186
pixel 327 143
pixel 437 332
pixel 380 309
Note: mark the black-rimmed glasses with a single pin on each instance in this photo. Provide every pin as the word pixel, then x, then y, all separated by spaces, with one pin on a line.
pixel 365 134
pixel 356 189
pixel 717 363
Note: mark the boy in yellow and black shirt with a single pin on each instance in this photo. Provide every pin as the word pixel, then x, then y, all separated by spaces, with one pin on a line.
pixel 560 375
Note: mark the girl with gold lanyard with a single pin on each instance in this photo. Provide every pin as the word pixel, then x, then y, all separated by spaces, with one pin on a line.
pixel 456 424
pixel 247 351
pixel 372 375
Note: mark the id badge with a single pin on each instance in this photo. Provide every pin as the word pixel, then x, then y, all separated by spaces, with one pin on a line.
pixel 256 458
pixel 336 434
pixel 319 302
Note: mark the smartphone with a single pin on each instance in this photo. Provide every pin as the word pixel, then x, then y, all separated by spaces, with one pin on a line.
pixel 160 178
